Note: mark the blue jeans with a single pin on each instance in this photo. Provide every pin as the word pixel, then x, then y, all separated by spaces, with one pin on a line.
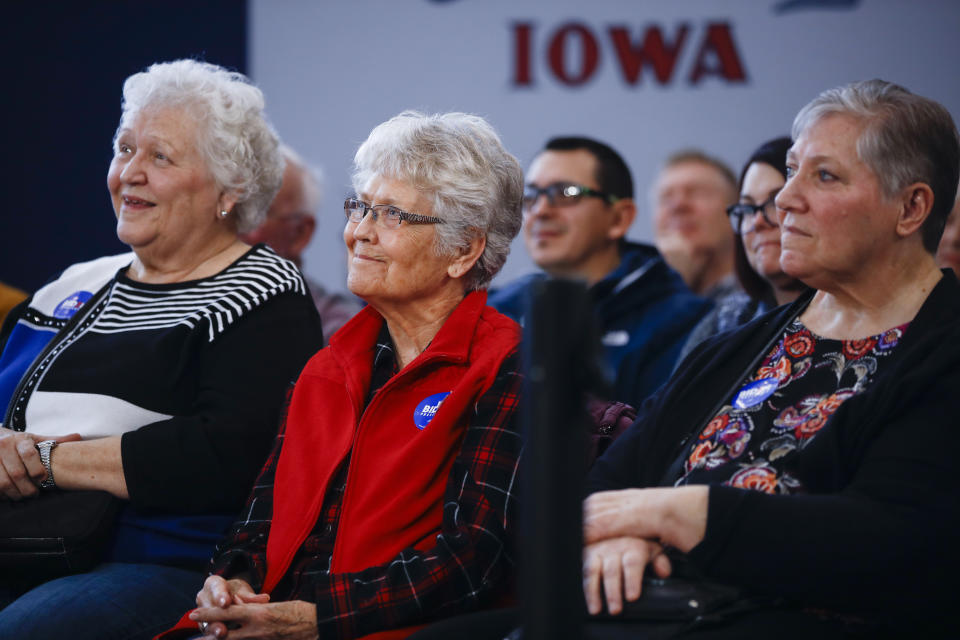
pixel 115 601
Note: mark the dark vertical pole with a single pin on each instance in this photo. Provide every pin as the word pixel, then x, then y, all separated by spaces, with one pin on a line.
pixel 558 346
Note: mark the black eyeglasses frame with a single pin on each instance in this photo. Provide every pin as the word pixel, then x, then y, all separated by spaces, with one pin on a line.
pixel 562 194
pixel 738 211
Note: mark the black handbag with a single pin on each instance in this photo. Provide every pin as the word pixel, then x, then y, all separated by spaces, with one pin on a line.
pixel 56 533
pixel 677 600
pixel 667 608
pixel 670 607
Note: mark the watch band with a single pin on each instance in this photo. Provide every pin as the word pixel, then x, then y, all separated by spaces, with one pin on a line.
pixel 44 448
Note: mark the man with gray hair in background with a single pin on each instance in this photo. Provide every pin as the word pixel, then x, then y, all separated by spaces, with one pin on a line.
pixel 288 229
pixel 690 224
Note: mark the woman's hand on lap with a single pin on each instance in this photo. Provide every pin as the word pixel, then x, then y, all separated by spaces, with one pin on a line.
pixel 294 620
pixel 614 568
pixel 674 515
pixel 21 470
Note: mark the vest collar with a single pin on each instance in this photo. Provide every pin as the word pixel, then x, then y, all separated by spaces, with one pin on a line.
pixel 453 342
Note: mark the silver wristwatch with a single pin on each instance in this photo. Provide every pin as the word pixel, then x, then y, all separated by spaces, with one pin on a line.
pixel 45 448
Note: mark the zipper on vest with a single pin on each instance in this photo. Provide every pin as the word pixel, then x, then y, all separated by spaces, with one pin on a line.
pixel 292 552
pixel 346 483
pixel 353 447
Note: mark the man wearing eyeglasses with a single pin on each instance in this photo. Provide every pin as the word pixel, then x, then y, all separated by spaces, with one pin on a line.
pixel 288 229
pixel 578 206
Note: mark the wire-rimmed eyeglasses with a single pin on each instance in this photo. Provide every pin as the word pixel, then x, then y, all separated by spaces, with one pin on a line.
pixel 386 214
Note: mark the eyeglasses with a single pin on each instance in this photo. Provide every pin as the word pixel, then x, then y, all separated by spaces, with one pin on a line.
pixel 743 216
pixel 387 215
pixel 562 194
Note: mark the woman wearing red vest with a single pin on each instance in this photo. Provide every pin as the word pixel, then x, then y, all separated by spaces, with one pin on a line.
pixel 389 499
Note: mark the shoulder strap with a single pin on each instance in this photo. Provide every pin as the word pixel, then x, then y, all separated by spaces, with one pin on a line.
pixel 25 388
pixel 673 471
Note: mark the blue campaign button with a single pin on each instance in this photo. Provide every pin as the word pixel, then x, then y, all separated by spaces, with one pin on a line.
pixel 427 408
pixel 71 304
pixel 753 393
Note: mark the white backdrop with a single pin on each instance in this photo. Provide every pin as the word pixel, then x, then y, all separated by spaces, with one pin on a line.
pixel 334 69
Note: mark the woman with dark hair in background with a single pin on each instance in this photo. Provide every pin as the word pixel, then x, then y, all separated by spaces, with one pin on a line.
pixel 756 247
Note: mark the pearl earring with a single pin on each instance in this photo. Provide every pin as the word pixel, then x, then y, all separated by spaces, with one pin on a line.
pixel 224 213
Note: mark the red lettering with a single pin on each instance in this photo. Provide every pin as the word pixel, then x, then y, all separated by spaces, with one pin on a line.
pixel 653 52
pixel 522 33
pixel 573 54
pixel 590 54
pixel 718 41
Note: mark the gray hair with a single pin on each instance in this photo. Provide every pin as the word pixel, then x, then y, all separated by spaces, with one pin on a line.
pixel 456 159
pixel 239 145
pixel 906 139
pixel 702 157
pixel 312 176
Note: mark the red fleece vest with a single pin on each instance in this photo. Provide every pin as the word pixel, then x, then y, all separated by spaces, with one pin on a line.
pixel 398 471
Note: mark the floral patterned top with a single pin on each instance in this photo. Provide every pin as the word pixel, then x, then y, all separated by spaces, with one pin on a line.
pixel 779 410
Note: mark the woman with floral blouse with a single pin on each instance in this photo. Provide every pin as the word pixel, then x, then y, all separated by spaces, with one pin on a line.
pixel 807 457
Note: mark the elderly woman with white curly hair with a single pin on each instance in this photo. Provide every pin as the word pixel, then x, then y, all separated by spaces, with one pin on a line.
pixel 156 375
pixel 389 499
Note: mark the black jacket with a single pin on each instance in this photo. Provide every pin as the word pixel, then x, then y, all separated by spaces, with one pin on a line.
pixel 645 313
pixel 875 533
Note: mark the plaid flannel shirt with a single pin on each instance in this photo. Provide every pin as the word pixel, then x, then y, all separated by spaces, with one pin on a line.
pixel 471 565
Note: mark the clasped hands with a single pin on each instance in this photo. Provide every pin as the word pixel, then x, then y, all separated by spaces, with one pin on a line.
pixel 625 531
pixel 232 609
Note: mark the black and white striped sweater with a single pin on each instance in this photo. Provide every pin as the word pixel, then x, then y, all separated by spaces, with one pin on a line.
pixel 191 374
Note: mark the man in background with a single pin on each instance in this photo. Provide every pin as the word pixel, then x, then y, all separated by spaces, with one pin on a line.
pixel 578 206
pixel 288 229
pixel 691 229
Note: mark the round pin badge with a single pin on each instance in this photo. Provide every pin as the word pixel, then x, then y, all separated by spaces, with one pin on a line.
pixel 71 304
pixel 753 393
pixel 427 408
